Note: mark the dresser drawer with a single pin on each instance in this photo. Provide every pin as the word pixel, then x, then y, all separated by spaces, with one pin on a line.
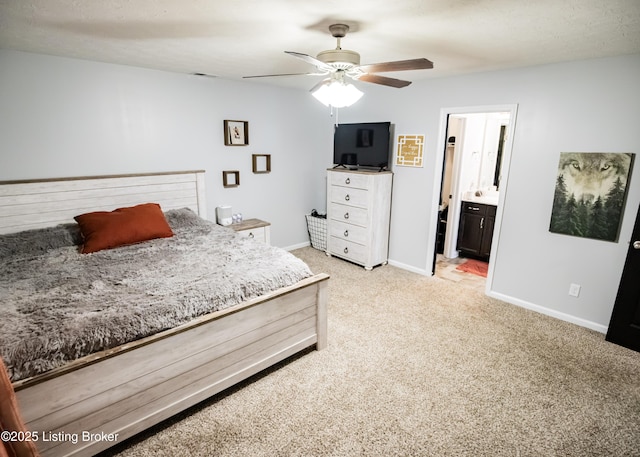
pixel 254 228
pixel 349 180
pixel 348 250
pixel 349 232
pixel 478 208
pixel 255 233
pixel 470 207
pixel 349 214
pixel 348 196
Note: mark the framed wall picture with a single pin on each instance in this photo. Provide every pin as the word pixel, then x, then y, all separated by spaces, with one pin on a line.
pixel 590 194
pixel 236 133
pixel 410 150
pixel 230 178
pixel 261 163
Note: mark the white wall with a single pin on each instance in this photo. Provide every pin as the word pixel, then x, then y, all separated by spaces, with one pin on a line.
pixel 64 117
pixel 61 117
pixel 585 106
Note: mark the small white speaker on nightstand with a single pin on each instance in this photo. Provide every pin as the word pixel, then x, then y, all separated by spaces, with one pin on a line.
pixel 223 215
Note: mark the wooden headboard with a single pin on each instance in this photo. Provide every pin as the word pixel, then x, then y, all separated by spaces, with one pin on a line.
pixel 38 203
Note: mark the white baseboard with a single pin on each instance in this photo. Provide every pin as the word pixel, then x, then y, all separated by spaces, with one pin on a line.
pixel 404 266
pixel 549 312
pixel 297 246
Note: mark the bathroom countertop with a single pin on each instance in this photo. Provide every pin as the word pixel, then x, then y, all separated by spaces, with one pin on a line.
pixel 484 200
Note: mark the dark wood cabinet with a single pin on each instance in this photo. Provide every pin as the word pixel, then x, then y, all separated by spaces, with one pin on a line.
pixel 476 229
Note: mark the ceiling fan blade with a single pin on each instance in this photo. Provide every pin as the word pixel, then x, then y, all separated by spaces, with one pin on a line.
pixel 284 74
pixel 385 81
pixel 312 60
pixel 399 65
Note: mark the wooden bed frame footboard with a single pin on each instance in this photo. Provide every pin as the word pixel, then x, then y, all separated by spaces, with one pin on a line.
pixel 99 401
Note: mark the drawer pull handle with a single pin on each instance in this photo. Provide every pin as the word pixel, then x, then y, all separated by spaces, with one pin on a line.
pixel 347 198
pixel 346 233
pixel 251 235
pixel 346 250
pixel 347 181
pixel 473 208
pixel 346 215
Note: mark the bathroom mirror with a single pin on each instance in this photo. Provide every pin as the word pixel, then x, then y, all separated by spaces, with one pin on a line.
pixel 491 160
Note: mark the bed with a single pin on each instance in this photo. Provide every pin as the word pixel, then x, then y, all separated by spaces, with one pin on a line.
pixel 80 404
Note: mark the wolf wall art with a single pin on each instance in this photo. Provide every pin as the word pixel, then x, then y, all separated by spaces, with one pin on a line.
pixel 590 194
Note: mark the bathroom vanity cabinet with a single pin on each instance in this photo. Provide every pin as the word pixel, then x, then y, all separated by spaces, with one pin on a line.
pixel 476 229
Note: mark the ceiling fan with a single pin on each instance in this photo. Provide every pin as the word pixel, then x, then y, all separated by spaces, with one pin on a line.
pixel 339 63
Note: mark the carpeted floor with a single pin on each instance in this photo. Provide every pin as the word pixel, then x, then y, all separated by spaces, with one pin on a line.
pixel 417 366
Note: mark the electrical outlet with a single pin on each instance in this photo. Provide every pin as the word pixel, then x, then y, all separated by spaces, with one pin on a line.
pixel 574 290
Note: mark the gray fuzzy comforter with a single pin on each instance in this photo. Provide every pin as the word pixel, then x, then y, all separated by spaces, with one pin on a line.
pixel 58 305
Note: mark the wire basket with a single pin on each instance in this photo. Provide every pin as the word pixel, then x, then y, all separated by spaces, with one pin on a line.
pixel 317 228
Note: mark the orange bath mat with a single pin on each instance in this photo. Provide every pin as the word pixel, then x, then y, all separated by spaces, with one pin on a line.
pixel 476 267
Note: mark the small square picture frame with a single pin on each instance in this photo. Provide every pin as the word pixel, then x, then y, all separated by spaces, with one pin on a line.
pixel 236 133
pixel 230 178
pixel 261 163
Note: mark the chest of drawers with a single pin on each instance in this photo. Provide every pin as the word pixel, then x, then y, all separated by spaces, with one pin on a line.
pixel 358 215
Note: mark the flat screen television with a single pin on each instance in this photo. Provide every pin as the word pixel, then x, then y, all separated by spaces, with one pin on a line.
pixel 362 145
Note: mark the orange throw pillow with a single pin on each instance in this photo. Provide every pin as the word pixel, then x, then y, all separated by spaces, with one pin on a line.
pixel 110 229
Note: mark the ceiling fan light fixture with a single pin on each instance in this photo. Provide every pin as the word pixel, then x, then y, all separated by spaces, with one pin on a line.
pixel 337 93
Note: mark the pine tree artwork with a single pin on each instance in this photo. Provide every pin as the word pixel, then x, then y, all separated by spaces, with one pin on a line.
pixel 590 194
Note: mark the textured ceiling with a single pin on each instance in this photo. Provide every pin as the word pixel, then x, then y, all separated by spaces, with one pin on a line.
pixel 236 38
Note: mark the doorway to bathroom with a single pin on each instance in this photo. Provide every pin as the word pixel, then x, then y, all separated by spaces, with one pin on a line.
pixel 475 153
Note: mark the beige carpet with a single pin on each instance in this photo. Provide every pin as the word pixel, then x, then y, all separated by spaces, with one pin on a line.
pixel 417 366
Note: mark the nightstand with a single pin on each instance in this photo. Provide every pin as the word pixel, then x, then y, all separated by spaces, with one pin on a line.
pixel 254 228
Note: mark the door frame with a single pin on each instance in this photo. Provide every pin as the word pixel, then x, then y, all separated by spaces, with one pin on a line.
pixel 512 109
